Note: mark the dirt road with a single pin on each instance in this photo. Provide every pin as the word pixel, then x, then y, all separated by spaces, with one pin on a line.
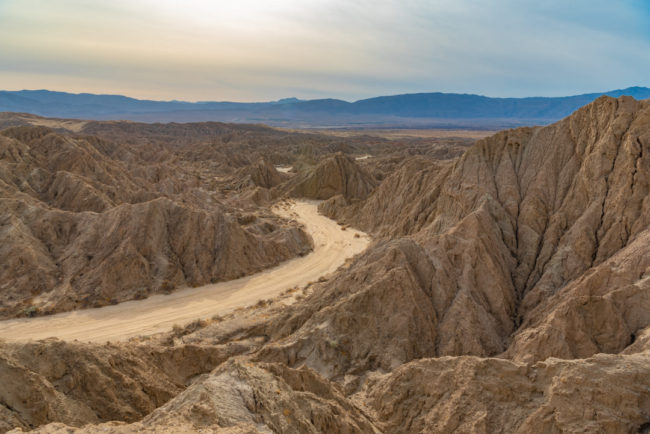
pixel 332 246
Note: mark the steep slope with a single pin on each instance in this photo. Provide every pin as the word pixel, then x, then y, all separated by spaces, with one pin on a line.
pixel 63 172
pixel 401 203
pixel 604 393
pixel 261 174
pixel 507 291
pixel 335 175
pixel 79 228
pixel 522 246
pixel 331 249
pixel 79 384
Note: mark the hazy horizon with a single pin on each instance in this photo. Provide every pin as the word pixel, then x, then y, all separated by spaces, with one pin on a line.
pixel 264 51
pixel 289 97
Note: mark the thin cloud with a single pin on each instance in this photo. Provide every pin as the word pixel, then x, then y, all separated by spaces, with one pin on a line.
pixel 260 50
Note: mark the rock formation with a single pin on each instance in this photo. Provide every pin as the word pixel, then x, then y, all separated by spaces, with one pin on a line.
pixel 79 383
pixel 529 240
pixel 262 174
pixel 469 394
pixel 336 175
pixel 79 229
pixel 507 290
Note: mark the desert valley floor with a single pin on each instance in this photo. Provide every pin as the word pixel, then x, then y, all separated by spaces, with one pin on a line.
pixel 159 313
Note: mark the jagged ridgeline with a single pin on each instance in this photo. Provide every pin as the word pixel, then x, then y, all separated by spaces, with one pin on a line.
pixel 96 213
pixel 506 290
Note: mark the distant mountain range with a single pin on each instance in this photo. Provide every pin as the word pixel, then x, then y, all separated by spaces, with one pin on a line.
pixel 422 110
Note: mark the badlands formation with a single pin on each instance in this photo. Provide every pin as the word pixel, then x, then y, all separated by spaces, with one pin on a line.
pixel 506 287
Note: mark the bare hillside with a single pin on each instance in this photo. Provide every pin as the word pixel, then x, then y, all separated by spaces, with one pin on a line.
pixel 81 228
pixel 506 290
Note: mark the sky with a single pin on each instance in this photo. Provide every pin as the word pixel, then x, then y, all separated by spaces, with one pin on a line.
pixel 261 50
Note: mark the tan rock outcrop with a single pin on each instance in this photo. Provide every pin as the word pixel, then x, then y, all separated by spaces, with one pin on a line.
pixel 79 229
pixel 262 174
pixel 506 291
pixel 534 235
pixel 336 175
pixel 78 384
pixel 605 393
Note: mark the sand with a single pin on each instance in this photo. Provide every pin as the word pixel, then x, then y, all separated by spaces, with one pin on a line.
pixel 284 169
pixel 159 313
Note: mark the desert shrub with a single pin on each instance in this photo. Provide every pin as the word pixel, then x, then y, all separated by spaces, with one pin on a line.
pixel 140 294
pixel 246 219
pixel 262 303
pixel 30 311
pixel 166 287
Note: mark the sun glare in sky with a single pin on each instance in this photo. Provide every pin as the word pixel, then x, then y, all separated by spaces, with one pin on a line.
pixel 250 50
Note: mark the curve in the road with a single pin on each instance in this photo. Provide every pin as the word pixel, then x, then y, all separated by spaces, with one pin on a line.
pixel 332 246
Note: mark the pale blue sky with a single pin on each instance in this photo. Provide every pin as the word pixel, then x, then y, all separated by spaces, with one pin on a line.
pixel 251 50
